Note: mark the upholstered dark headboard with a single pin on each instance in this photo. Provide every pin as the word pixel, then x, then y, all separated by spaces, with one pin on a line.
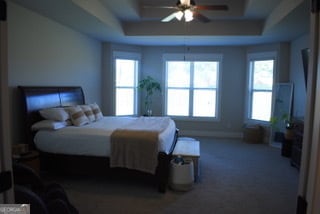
pixel 35 98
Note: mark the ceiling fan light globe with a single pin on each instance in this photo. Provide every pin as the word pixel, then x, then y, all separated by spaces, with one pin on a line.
pixel 179 15
pixel 188 15
pixel 189 19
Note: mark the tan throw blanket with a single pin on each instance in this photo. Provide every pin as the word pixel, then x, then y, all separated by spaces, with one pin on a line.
pixel 134 149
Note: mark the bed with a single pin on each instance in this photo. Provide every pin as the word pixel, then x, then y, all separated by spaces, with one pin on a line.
pixel 93 156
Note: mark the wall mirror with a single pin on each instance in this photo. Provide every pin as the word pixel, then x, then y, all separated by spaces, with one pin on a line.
pixel 305 60
pixel 281 109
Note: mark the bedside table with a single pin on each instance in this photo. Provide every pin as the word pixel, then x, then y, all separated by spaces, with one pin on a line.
pixel 30 159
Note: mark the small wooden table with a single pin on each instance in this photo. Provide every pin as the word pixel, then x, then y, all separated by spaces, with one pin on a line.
pixel 189 148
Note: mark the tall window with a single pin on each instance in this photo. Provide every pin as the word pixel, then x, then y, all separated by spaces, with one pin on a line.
pixel 192 86
pixel 126 78
pixel 261 74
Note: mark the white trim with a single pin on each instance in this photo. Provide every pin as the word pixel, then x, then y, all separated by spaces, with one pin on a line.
pixel 5 132
pixel 309 186
pixel 309 180
pixel 195 57
pixel 251 57
pixel 129 56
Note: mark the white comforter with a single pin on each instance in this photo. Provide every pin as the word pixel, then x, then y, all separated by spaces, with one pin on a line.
pixel 94 139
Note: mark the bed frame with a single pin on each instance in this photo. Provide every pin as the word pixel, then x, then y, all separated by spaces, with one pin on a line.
pixel 35 98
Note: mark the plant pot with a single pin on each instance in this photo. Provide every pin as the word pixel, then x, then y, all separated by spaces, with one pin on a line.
pixel 289 134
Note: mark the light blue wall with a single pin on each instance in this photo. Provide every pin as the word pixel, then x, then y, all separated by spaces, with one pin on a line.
pixel 44 52
pixel 107 76
pixel 297 76
pixel 233 82
pixel 283 54
pixel 233 72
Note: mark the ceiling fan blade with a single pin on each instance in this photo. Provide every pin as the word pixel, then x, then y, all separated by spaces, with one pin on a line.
pixel 200 17
pixel 212 7
pixel 161 7
pixel 170 17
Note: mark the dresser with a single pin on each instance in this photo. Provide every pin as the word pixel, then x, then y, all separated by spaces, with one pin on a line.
pixel 296 148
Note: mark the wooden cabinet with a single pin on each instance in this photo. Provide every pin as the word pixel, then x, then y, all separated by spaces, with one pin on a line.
pixel 296 148
pixel 286 148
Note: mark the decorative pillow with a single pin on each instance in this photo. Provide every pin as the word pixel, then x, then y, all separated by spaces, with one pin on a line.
pixel 96 111
pixel 49 125
pixel 58 114
pixel 88 112
pixel 78 118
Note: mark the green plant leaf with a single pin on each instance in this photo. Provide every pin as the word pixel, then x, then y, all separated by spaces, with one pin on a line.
pixel 149 85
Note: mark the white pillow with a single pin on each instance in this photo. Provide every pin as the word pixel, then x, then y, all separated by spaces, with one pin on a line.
pixel 78 118
pixel 96 111
pixel 49 125
pixel 58 114
pixel 88 112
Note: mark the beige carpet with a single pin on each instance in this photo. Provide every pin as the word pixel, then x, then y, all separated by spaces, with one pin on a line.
pixel 236 178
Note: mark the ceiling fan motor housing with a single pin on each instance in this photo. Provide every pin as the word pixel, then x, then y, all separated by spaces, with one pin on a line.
pixel 184 7
pixel 188 10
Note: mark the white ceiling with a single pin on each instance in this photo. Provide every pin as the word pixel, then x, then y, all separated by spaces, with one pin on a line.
pixel 128 21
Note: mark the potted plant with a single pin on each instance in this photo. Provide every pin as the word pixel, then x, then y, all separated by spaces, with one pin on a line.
pixel 289 134
pixel 276 122
pixel 150 86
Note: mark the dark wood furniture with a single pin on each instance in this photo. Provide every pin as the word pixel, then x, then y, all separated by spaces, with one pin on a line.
pixel 30 159
pixel 287 141
pixel 296 148
pixel 286 147
pixel 36 98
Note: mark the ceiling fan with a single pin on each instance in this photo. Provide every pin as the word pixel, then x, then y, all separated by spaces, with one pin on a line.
pixel 188 10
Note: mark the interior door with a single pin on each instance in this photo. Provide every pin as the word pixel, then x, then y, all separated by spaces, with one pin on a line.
pixel 5 144
pixel 309 180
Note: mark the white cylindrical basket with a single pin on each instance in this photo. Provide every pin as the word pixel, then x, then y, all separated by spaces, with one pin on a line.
pixel 182 175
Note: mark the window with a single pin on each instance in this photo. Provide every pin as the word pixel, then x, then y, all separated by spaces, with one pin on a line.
pixel 261 75
pixel 192 86
pixel 126 75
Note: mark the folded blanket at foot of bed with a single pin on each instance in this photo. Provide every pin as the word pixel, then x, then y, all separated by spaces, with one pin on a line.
pixel 134 149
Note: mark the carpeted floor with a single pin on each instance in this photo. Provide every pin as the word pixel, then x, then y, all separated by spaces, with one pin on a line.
pixel 235 178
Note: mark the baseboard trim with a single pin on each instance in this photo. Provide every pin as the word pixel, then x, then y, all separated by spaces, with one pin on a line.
pixel 218 134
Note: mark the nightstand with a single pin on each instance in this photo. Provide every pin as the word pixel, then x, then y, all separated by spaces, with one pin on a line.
pixel 30 159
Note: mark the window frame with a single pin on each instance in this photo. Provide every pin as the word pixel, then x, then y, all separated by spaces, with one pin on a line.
pixel 260 56
pixel 127 56
pixel 193 57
